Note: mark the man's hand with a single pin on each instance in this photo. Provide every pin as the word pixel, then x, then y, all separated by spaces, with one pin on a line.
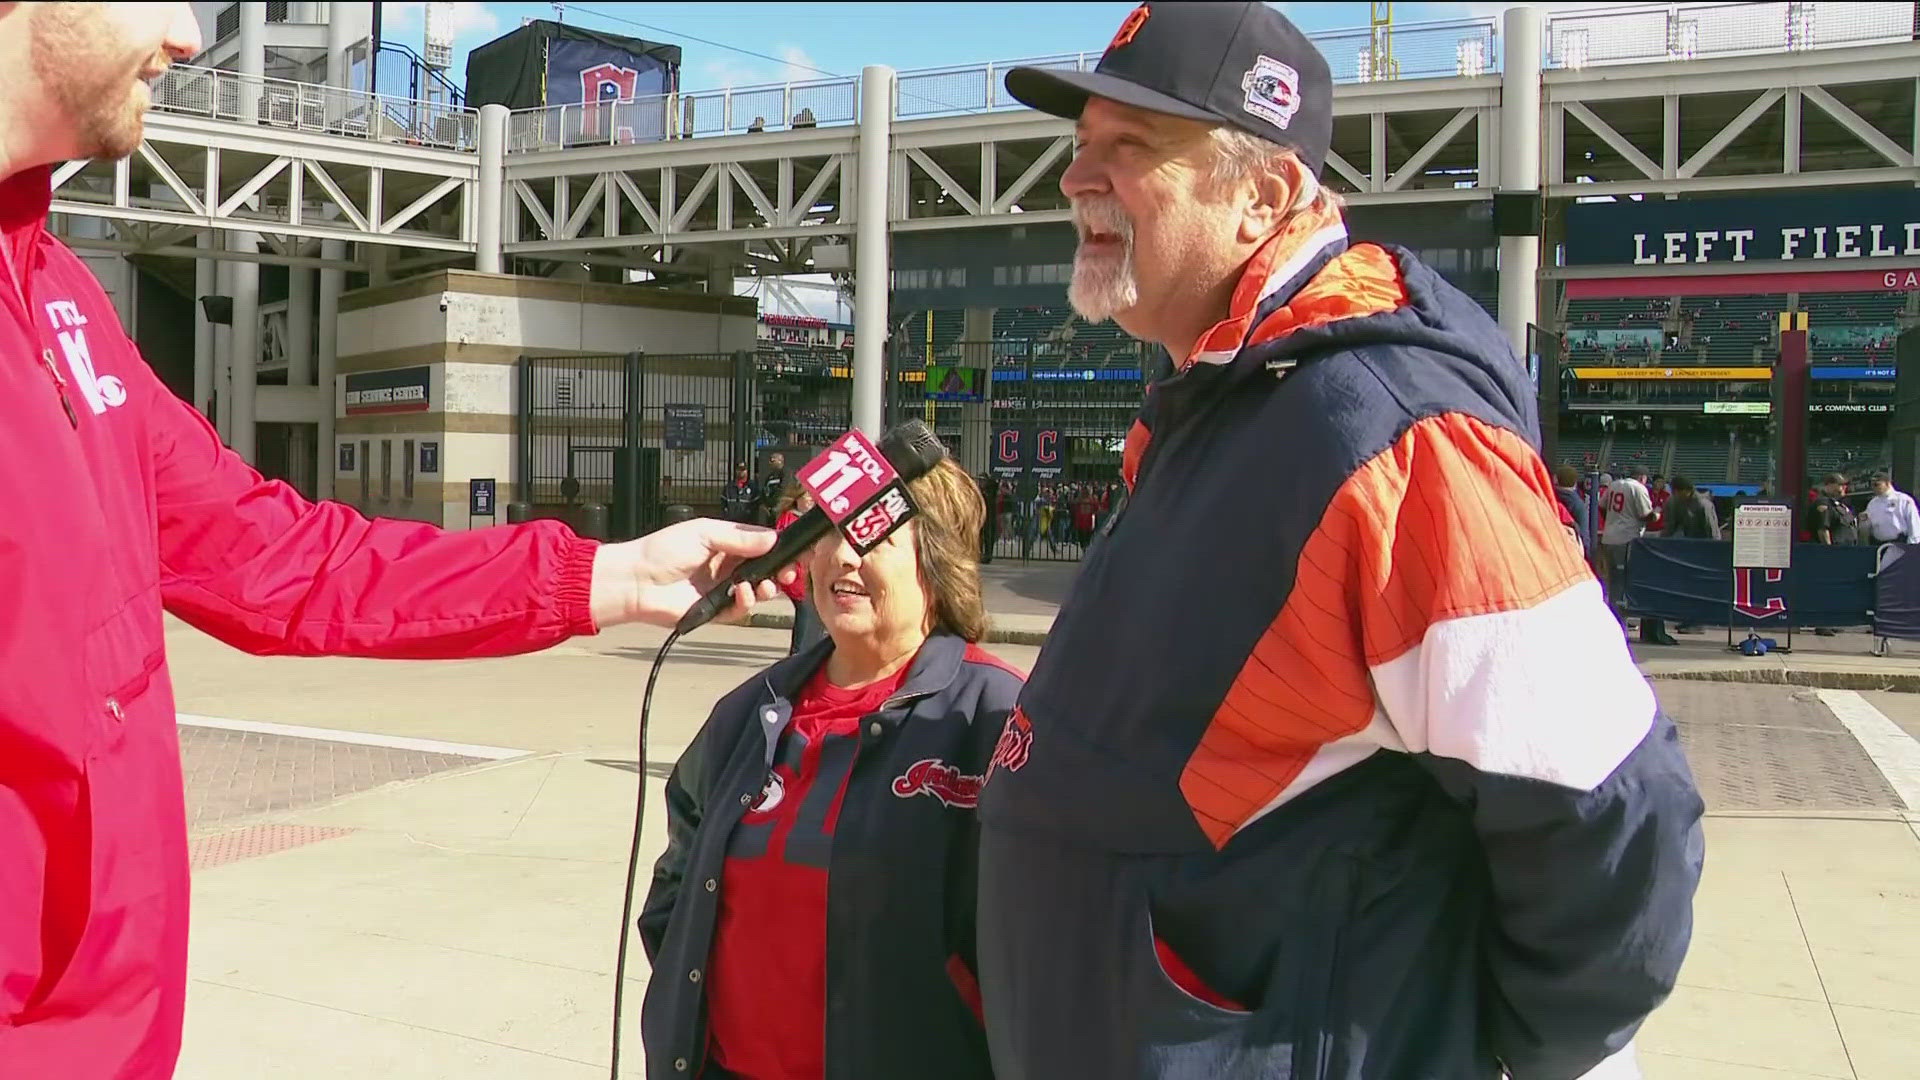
pixel 656 578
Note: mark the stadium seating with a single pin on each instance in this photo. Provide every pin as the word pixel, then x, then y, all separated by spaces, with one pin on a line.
pixel 1581 449
pixel 1853 458
pixel 1726 329
pixel 1630 448
pixel 1752 467
pixel 1857 327
pixel 1029 323
pixel 1702 459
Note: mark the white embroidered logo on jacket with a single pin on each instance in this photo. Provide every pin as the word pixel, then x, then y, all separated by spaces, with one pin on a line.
pixel 102 392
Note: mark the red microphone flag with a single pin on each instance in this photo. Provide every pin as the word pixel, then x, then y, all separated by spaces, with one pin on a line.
pixel 858 490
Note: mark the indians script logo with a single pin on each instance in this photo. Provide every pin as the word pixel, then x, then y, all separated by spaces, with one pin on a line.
pixel 1136 19
pixel 1273 91
pixel 1746 603
pixel 931 776
pixel 1016 741
pixel 603 85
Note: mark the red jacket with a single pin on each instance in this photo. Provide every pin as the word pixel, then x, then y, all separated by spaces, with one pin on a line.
pixel 117 501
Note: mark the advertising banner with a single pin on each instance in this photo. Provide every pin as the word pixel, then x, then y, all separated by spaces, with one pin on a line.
pixel 1694 581
pixel 1817 228
pixel 1725 374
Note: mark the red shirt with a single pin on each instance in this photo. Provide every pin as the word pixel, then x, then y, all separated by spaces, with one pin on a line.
pixel 797 591
pixel 1659 510
pixel 767 977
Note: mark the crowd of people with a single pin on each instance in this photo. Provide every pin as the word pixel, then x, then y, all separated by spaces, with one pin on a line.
pixel 1057 519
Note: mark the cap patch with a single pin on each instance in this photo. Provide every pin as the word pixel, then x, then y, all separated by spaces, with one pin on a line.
pixel 1273 91
pixel 1136 19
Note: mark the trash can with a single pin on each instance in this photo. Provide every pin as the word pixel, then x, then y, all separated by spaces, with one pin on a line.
pixel 519 512
pixel 594 521
pixel 678 513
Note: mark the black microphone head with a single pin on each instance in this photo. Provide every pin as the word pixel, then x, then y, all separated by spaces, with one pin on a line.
pixel 912 449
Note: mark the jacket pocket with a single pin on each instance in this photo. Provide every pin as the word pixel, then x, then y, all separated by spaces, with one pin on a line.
pixel 1180 1034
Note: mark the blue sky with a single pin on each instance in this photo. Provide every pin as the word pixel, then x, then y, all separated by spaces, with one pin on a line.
pixel 803 40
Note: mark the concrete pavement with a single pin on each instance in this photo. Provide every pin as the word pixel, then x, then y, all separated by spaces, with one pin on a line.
pixel 376 896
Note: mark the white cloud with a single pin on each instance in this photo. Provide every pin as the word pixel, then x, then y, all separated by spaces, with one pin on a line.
pixel 734 70
pixel 468 18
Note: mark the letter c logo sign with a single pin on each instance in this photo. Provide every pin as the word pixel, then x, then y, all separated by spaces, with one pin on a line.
pixel 1009 448
pixel 1046 447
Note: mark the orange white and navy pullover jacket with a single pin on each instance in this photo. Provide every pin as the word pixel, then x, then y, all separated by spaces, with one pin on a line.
pixel 1339 634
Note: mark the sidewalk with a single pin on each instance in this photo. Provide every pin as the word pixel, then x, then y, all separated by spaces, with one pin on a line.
pixel 460 920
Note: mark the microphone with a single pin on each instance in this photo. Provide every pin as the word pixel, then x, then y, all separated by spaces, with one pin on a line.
pixel 857 488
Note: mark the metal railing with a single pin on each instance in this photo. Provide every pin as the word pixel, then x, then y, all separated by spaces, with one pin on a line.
pixel 1579 39
pixel 1461 47
pixel 228 95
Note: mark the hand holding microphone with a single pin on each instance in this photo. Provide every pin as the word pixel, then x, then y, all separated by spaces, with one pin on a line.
pixel 656 578
pixel 857 487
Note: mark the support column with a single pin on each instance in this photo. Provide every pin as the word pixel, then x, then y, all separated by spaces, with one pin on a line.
pixel 491 191
pixel 299 326
pixel 204 284
pixel 870 265
pixel 251 62
pixel 246 343
pixel 339 67
pixel 326 341
pixel 223 351
pixel 1520 173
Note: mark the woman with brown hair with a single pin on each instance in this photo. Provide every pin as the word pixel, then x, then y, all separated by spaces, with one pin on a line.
pixel 812 916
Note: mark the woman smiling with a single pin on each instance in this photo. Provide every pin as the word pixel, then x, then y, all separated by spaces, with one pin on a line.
pixel 825 810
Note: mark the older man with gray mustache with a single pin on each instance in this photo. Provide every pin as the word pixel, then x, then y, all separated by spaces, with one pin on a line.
pixel 1296 789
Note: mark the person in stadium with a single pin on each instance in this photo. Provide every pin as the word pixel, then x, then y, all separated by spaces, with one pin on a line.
pixel 1296 787
pixel 120 504
pixel 1629 509
pixel 1566 482
pixel 1891 514
pixel 771 489
pixel 739 499
pixel 1690 515
pixel 1658 494
pixel 812 915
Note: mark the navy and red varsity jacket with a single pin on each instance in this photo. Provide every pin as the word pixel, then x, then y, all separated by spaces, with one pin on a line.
pixel 899 849
pixel 1316 743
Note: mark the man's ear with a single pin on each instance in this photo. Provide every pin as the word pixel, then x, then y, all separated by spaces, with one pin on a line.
pixel 1273 186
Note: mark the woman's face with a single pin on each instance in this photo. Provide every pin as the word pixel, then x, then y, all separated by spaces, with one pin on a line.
pixel 874 603
pixel 804 503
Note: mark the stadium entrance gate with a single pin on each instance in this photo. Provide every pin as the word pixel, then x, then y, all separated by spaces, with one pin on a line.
pixel 1047 426
pixel 632 433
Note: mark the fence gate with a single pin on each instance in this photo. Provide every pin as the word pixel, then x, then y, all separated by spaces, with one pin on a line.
pixel 1049 426
pixel 632 433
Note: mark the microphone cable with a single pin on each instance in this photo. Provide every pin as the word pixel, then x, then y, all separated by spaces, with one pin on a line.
pixel 633 855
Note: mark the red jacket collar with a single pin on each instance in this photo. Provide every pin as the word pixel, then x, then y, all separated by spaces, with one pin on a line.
pixel 24 199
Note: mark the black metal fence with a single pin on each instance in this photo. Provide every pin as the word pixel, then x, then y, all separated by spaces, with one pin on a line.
pixel 1049 432
pixel 638 433
pixel 632 433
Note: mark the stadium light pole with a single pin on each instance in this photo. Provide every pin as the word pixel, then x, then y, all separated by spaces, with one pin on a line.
pixel 870 267
pixel 1520 173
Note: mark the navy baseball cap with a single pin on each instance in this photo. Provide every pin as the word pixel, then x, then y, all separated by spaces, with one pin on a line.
pixel 1242 65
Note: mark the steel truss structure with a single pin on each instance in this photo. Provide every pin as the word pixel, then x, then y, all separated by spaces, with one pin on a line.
pixel 766 202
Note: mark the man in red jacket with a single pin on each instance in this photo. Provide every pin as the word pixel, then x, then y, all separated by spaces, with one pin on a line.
pixel 117 502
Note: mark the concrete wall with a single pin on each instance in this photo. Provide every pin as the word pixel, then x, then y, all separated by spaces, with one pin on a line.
pixel 470 330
